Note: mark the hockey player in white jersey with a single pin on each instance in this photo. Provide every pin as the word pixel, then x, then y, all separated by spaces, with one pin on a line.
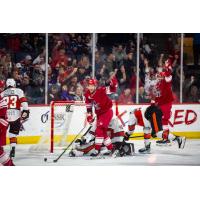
pixel 17 111
pixel 85 146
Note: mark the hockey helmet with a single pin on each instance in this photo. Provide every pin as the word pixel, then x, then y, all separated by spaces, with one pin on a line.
pixel 10 82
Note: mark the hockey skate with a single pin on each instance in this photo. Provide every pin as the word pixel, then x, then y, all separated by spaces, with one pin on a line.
pixel 181 141
pixel 163 143
pixel 12 152
pixel 146 149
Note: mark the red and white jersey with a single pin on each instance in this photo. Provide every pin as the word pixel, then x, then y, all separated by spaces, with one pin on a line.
pixel 15 100
pixel 99 99
pixel 115 130
pixel 164 90
pixel 160 89
pixel 136 117
pixel 3 107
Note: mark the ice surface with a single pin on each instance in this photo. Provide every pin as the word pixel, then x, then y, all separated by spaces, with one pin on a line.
pixel 170 155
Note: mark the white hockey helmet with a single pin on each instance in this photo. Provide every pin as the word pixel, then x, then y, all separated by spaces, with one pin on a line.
pixel 10 82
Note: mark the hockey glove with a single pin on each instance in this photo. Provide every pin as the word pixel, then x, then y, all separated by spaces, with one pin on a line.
pixel 90 118
pixel 126 136
pixel 25 114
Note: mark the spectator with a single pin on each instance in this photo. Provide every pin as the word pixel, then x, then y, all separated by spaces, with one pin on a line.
pixel 40 60
pixel 81 74
pixel 65 94
pixel 27 67
pixel 6 72
pixel 70 63
pixel 143 98
pixel 119 54
pixel 188 82
pixel 59 57
pixel 121 77
pixel 25 86
pixel 129 63
pixel 37 95
pixel 102 54
pixel 13 42
pixel 62 75
pixel 110 63
pixel 52 77
pixel 73 81
pixel 103 72
pixel 84 62
pixel 36 73
pixel 72 90
pixel 126 97
pixel 2 76
pixel 98 61
pixel 193 95
pixel 17 77
pixel 26 46
pixel 79 94
pixel 53 94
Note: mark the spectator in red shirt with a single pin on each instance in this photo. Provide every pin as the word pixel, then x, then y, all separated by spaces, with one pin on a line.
pixel 59 58
pixel 126 97
pixel 62 75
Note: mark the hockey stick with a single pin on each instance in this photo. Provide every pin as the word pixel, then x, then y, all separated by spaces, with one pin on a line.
pixel 56 160
pixel 138 136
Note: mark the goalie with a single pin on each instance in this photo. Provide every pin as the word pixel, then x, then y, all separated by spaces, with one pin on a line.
pixel 85 146
pixel 151 121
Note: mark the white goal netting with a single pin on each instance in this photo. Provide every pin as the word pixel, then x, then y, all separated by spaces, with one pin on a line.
pixel 66 120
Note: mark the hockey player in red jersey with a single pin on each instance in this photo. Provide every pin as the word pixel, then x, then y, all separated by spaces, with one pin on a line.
pixel 161 94
pixel 15 100
pixel 165 98
pixel 98 97
pixel 150 119
pixel 5 160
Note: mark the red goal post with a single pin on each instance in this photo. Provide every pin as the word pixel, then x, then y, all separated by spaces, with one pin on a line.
pixel 69 107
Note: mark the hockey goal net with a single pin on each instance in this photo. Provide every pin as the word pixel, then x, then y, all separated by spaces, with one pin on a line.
pixel 65 121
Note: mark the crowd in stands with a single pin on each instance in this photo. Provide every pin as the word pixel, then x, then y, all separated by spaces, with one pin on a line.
pixel 22 56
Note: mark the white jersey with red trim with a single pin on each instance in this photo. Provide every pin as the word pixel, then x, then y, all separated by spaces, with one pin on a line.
pixel 15 100
pixel 115 130
pixel 136 117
